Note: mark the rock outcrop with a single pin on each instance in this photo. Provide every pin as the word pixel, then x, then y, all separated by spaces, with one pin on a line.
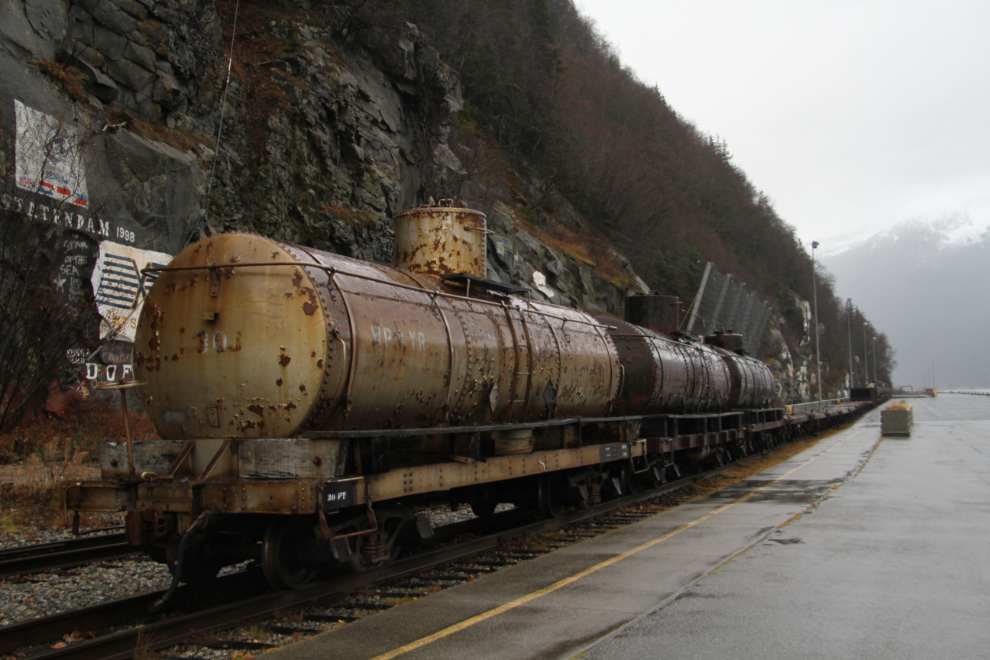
pixel 314 140
pixel 319 138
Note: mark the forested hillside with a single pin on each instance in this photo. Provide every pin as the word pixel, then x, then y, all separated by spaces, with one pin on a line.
pixel 541 83
pixel 317 122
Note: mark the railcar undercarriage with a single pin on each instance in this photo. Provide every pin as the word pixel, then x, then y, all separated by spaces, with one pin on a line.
pixel 358 497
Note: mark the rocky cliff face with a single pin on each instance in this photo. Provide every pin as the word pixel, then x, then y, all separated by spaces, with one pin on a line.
pixel 320 141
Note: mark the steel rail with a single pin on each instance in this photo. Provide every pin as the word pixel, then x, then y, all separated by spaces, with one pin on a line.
pixel 51 628
pixel 63 554
pixel 19 551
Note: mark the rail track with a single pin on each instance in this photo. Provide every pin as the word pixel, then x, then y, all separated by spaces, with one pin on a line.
pixel 194 616
pixel 23 560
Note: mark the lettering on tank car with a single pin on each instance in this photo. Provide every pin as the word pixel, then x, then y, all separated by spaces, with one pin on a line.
pixel 383 335
pixel 339 495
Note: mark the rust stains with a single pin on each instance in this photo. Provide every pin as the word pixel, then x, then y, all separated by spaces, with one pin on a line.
pixel 257 410
pixel 284 360
pixel 278 383
pixel 319 364
pixel 311 306
pixel 302 387
pixel 296 278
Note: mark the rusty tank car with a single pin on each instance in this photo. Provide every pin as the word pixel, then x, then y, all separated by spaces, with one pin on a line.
pixel 311 405
pixel 289 340
pixel 666 374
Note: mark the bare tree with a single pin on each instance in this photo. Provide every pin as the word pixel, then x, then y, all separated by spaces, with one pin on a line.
pixel 46 306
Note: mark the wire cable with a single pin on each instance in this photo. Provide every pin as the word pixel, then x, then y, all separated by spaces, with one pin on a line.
pixel 223 101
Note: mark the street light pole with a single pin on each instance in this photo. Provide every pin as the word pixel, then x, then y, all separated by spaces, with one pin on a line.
pixel 875 360
pixel 849 323
pixel 814 293
pixel 866 355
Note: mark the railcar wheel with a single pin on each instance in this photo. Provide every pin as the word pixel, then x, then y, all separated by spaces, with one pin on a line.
pixel 483 501
pixel 550 495
pixel 281 553
pixel 197 570
pixel 484 508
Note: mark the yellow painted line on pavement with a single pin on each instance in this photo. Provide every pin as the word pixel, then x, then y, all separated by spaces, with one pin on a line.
pixel 484 616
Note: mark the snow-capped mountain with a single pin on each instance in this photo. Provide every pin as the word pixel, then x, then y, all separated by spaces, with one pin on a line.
pixel 927 285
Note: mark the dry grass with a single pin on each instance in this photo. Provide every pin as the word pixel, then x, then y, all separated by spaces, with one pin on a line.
pixel 45 452
pixel 593 252
pixel 72 80
pixel 356 219
pixel 180 139
pixel 84 426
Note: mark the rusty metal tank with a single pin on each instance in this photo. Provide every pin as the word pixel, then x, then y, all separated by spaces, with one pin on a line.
pixel 247 337
pixel 752 381
pixel 665 375
pixel 441 240
pixel 668 375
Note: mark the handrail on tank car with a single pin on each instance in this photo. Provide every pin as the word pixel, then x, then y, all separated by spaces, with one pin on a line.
pixel 332 270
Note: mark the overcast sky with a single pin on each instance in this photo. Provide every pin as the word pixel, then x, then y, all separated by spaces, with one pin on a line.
pixel 850 115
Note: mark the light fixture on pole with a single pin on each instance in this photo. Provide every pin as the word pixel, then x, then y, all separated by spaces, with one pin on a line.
pixel 849 323
pixel 814 293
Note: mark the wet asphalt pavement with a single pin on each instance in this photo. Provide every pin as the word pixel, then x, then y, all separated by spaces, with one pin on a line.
pixel 895 563
pixel 852 549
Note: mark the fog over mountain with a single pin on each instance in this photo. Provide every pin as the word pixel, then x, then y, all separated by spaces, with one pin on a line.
pixel 927 285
